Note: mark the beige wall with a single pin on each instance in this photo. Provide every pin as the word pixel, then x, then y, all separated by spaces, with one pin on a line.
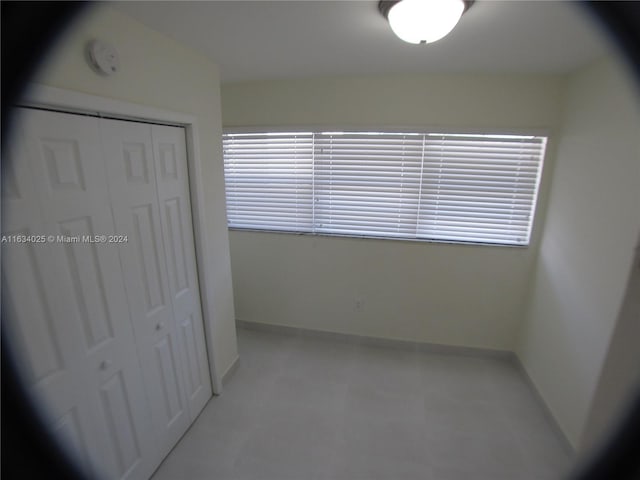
pixel 156 71
pixel 586 251
pixel 448 294
pixel 620 377
pixel 460 101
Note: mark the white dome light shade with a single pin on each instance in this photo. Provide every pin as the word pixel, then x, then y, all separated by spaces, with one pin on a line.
pixel 424 21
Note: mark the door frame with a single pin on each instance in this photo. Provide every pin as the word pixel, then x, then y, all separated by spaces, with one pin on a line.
pixel 68 101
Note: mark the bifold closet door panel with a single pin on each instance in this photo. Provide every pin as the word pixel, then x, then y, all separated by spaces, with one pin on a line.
pixel 34 312
pixel 170 155
pixel 66 295
pixel 132 183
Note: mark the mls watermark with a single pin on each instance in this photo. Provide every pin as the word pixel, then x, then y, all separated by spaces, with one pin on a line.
pixel 24 238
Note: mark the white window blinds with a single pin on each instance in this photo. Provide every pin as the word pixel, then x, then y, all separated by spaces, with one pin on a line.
pixel 269 181
pixel 441 187
pixel 479 188
pixel 367 184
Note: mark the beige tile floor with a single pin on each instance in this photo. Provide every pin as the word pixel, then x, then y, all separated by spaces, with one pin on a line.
pixel 304 408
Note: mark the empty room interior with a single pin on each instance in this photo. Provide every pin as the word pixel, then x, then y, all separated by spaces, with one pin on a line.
pixel 280 240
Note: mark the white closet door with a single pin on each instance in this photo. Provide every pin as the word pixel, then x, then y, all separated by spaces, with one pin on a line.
pixel 47 349
pixel 68 299
pixel 170 150
pixel 132 182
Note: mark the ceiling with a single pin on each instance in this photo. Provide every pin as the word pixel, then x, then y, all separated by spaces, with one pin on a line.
pixel 257 40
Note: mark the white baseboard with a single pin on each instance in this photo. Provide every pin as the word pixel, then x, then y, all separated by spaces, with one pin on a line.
pixel 231 370
pixel 376 341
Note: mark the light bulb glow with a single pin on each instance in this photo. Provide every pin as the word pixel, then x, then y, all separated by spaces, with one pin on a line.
pixel 424 21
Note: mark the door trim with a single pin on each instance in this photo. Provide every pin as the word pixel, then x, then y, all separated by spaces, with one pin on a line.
pixel 69 101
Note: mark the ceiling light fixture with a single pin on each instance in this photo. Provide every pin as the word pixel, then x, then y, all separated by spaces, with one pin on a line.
pixel 423 21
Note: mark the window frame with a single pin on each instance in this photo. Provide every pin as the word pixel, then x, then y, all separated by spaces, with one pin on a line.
pixel 545 133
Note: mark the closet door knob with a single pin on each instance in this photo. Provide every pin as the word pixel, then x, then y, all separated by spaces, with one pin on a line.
pixel 159 326
pixel 105 364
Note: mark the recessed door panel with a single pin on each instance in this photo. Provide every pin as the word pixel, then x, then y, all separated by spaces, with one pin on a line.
pixel 25 289
pixel 148 256
pixel 171 395
pixel 167 160
pixel 72 437
pixel 194 372
pixel 10 188
pixel 120 422
pixel 88 282
pixel 176 247
pixel 136 162
pixel 61 157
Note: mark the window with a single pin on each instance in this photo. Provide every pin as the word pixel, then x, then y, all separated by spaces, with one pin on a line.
pixel 421 186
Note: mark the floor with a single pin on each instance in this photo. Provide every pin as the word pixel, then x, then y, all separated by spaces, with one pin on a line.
pixel 306 408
